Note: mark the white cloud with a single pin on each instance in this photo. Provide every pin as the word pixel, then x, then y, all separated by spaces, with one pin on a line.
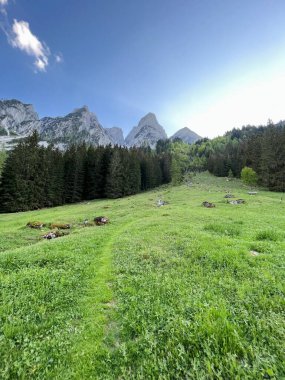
pixel 22 38
pixel 58 58
pixel 2 5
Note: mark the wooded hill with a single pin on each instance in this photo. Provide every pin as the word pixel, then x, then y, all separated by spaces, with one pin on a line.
pixel 261 148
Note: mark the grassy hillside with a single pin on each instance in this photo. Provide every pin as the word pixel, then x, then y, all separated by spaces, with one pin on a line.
pixel 176 292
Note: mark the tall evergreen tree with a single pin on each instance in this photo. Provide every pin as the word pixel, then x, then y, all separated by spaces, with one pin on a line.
pixel 115 178
pixel 74 174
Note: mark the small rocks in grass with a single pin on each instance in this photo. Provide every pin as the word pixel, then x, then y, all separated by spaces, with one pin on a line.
pixel 54 234
pixel 160 203
pixel 50 235
pixel 229 196
pixel 101 220
pixel 36 224
pixel 237 202
pixel 208 204
pixel 252 192
pixel 254 253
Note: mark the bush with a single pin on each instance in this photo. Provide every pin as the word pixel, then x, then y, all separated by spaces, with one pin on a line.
pixel 249 176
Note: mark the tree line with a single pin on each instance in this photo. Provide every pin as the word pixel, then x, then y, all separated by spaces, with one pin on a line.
pixel 260 148
pixel 34 176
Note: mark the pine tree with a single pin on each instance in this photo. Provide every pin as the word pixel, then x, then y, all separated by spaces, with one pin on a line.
pixel 74 174
pixel 165 164
pixel 91 173
pixel 55 177
pixel 133 181
pixel 22 181
pixel 115 178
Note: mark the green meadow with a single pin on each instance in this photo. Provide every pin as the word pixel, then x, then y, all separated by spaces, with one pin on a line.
pixel 173 292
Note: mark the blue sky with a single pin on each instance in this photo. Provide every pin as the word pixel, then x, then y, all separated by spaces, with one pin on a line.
pixel 210 65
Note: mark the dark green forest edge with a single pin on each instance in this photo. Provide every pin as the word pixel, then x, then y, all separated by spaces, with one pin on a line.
pixel 34 177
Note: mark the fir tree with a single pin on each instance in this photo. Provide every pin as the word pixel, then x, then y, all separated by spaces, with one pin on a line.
pixel 115 178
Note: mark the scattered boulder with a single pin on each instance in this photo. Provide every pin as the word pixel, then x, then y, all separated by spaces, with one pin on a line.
pixel 49 235
pixel 101 220
pixel 208 204
pixel 229 196
pixel 54 234
pixel 61 226
pixel 237 202
pixel 160 203
pixel 252 192
pixel 38 225
pixel 254 253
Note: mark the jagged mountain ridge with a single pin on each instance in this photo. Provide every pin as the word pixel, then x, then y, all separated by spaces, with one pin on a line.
pixel 81 125
pixel 19 120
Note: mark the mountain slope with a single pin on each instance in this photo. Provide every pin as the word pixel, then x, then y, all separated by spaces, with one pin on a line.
pixel 116 135
pixel 17 118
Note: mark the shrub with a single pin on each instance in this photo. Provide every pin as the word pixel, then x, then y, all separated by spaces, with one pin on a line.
pixel 249 176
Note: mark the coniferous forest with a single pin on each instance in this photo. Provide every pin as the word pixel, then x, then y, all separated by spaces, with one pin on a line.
pixel 35 176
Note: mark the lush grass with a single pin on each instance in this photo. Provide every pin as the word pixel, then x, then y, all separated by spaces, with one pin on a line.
pixel 159 293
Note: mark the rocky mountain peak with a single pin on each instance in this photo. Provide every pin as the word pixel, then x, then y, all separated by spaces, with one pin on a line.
pixel 147 133
pixel 185 134
pixel 148 119
pixel 83 109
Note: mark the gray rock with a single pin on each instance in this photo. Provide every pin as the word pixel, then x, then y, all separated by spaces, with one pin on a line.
pixel 208 204
pixel 17 118
pixel 237 202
